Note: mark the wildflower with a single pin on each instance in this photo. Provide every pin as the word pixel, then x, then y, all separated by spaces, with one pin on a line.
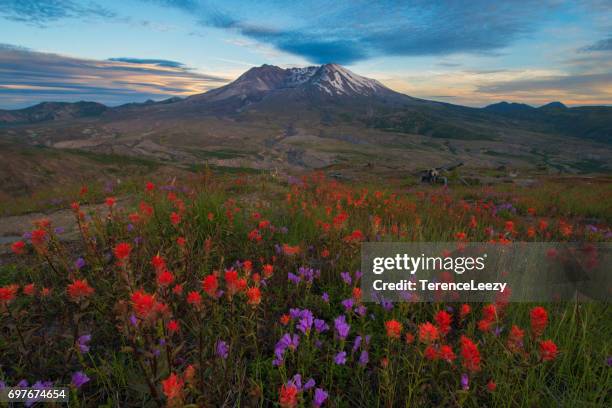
pixel 122 250
pixel 320 396
pixel 288 396
pixel 348 304
pixel 39 236
pixel 409 337
pixel 222 349
pixel 470 354
pixel 325 253
pixel 267 270
pixel 194 298
pixel 158 262
pixel 320 325
pixel 173 387
pixel 394 329
pixel 110 201
pixel 79 263
pixel 539 320
pixel 175 218
pixel 177 289
pixel 342 327
pixel 181 241
pixel 285 319
pixel 79 289
pixel 431 353
pixel 291 250
pixel 357 294
pixel 210 285
pixel 165 278
pixel 491 386
pixel 18 247
pixel 83 343
pixel 254 295
pixel 149 186
pixel 29 289
pixel 446 353
pixel 340 358
pixel 143 303
pixel 364 358
pixel 346 277
pixel 325 297
pixel 7 294
pixel 444 320
pixel 428 333
pixel 465 382
pixel 515 339
pixel 548 350
pixel 173 326
pixel 79 379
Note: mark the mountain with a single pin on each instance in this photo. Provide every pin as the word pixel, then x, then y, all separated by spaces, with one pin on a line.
pixel 321 116
pixel 48 111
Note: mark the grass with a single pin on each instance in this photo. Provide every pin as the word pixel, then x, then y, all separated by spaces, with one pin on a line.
pixel 224 220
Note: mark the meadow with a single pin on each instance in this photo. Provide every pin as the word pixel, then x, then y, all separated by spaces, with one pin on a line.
pixel 243 290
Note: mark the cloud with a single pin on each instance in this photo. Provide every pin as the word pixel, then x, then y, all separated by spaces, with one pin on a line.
pixel 347 32
pixel 158 62
pixel 28 77
pixel 41 12
pixel 601 45
pixel 584 84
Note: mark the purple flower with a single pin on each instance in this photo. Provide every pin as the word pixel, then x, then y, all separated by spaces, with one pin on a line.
pixel 465 382
pixel 340 358
pixel 59 230
pixel 79 263
pixel 130 227
pixel 387 305
pixel 306 321
pixel 325 297
pixel 296 381
pixel 222 349
pixel 320 396
pixel 23 383
pixel 320 325
pixel 293 278
pixel 357 343
pixel 609 361
pixel 364 358
pixel 83 342
pixel 309 384
pixel 79 379
pixel 348 304
pixel 133 320
pixel 342 327
pixel 358 275
pixel 361 310
pixel 346 277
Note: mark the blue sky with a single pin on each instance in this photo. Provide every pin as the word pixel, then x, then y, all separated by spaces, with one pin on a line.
pixel 473 52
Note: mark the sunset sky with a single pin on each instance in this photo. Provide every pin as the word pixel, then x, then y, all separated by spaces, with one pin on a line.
pixel 471 53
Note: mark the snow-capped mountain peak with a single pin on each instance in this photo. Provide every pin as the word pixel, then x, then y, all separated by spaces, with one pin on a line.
pixel 334 79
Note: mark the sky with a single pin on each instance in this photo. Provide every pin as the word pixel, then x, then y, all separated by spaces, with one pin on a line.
pixel 471 53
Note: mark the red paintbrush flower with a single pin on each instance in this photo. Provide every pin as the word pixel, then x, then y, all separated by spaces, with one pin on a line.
pixel 194 298
pixel 428 333
pixel 548 350
pixel 143 303
pixel 394 329
pixel 470 354
pixel 539 320
pixel 7 294
pixel 210 284
pixel 444 320
pixel 173 387
pixel 79 289
pixel 122 250
pixel 254 295
pixel 165 278
pixel 18 247
pixel 288 396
